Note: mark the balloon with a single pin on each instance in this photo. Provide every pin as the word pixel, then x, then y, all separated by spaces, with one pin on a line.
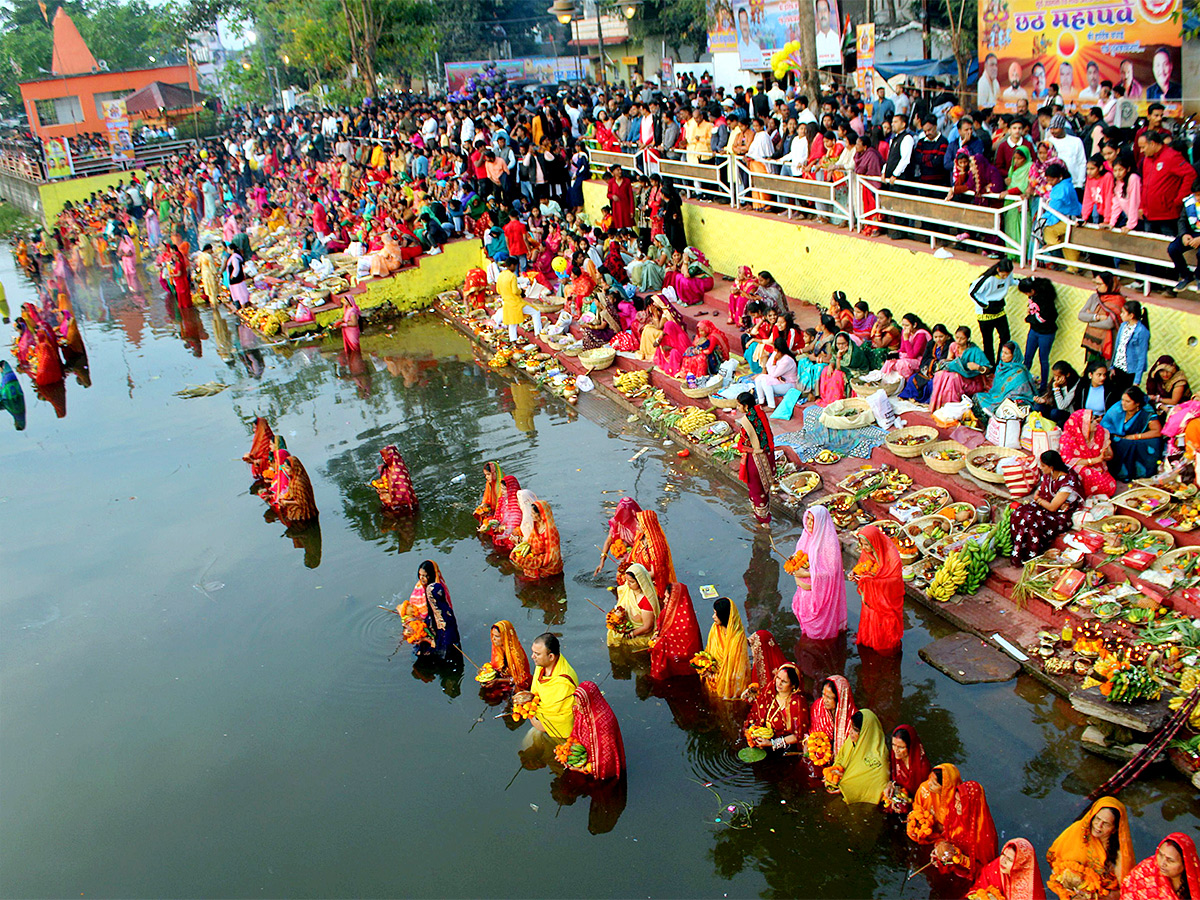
pixel 559 265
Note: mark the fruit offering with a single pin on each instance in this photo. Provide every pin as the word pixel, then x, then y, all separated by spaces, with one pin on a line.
pixel 525 705
pixel 617 620
pixel 912 440
pixel 944 455
pixel 949 578
pixel 633 381
pixel 756 733
pixel 696 418
pixel 486 674
pixel 989 462
pixel 833 777
pixel 826 457
pixel 705 664
pixel 574 755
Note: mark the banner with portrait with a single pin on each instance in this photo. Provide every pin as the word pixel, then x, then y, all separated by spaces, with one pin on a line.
pixel 763 26
pixel 864 75
pixel 116 123
pixel 829 33
pixel 1025 46
pixel 722 37
pixel 58 158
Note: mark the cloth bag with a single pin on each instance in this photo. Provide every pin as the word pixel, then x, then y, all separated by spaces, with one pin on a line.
pixel 1004 432
pixel 1020 475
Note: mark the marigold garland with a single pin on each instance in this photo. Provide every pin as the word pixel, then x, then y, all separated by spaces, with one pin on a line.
pixel 818 748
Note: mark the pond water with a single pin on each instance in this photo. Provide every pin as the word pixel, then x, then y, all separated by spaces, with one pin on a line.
pixel 196 704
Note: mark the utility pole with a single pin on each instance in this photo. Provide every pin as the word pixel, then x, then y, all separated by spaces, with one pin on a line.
pixel 600 40
pixel 926 38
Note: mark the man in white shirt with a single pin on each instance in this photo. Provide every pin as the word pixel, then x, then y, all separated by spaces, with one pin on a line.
pixel 804 115
pixel 1069 149
pixel 775 94
pixel 989 84
pixel 1091 93
pixel 468 131
pixel 902 102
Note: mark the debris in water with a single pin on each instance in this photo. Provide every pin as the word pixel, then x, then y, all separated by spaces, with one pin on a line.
pixel 201 390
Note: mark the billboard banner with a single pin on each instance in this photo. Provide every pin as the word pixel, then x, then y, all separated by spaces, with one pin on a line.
pixel 116 122
pixel 58 158
pixel 864 75
pixel 829 33
pixel 763 26
pixel 546 69
pixel 722 36
pixel 1028 45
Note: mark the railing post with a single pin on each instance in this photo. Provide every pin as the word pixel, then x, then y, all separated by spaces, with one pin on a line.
pixel 1024 232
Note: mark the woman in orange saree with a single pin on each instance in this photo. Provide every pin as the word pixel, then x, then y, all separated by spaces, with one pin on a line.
pixel 509 660
pixel 492 474
pixel 969 836
pixel 1173 872
pixel 296 503
pixel 881 584
pixel 1096 847
pixel 833 710
pixel 259 456
pixel 393 483
pixel 1014 873
pixel 650 548
pixel 539 555
pixel 678 638
pixel 727 645
pixel 47 365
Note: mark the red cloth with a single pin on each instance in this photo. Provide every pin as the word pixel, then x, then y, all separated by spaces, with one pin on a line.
pixel 1166 180
pixel 508 514
pixel 836 726
pixel 259 456
pixel 881 626
pixel 597 729
pixel 620 198
pixel 180 279
pixel 970 828
pixel 1145 882
pixel 49 365
pixel 678 637
pixel 1024 882
pixel 912 774
pixel 514 236
pixel 765 659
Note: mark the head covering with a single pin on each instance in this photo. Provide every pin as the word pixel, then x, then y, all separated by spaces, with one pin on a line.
pixel 508 513
pixel 1024 881
pixel 1059 121
pixel 883 548
pixel 911 774
pixel 1012 380
pixel 597 729
pixel 765 658
pixel 970 827
pixel 1076 843
pixel 1075 443
pixel 650 548
pixel 943 801
pixel 710 330
pixel 728 645
pixel 865 762
pixel 837 726
pixel 623 524
pixel 678 638
pixel 511 655
pixel 526 499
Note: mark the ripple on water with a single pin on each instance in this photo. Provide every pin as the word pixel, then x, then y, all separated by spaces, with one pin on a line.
pixel 714 759
pixel 374 635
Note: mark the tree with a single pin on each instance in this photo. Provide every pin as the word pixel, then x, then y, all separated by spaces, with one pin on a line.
pixel 961 19
pixel 809 80
pixel 681 23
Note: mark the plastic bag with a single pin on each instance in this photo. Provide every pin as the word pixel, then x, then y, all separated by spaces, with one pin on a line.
pixel 881 407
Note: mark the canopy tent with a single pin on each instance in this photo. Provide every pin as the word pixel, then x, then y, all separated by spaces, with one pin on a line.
pixel 158 96
pixel 930 68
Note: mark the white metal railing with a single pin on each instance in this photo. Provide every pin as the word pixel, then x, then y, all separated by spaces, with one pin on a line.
pixel 915 208
pixel 716 180
pixel 831 199
pixel 602 160
pixel 1103 250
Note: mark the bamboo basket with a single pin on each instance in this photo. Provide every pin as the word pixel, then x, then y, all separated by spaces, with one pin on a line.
pixel 598 357
pixel 1114 537
pixel 790 483
pixel 911 452
pixel 984 474
pixel 544 307
pixel 865 389
pixel 722 402
pixel 945 466
pixel 702 392
pixel 1164 500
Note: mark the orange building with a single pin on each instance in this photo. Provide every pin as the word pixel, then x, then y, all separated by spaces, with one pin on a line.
pixel 69 102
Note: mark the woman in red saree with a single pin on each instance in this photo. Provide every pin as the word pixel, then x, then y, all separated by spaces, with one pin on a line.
pixel 708 351
pixel 909 768
pixel 622 529
pixel 259 456
pixel 295 504
pixel 506 522
pixel 1014 873
pixel 180 278
pixel 1172 873
pixel 539 555
pixel 596 728
pixel 1086 448
pixel 47 365
pixel 671 347
pixel 765 660
pixel 969 837
pixel 393 483
pixel 678 638
pixel 881 584
pixel 832 711
pixel 650 548
pixel 756 443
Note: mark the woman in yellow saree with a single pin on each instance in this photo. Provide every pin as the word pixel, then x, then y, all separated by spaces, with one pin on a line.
pixel 1098 846
pixel 554 683
pixel 728 646
pixel 864 760
pixel 508 657
pixel 638 600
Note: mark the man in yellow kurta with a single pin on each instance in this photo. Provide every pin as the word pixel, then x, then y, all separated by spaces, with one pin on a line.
pixel 513 307
pixel 554 683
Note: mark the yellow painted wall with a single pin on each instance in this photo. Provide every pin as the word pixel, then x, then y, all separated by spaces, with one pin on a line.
pixel 811 263
pixel 418 287
pixel 56 194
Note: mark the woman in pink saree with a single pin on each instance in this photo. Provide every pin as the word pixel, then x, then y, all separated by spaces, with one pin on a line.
pixel 690 275
pixel 349 324
pixel 820 599
pixel 674 342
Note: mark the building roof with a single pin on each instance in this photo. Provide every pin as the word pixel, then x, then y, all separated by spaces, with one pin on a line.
pixel 160 95
pixel 71 54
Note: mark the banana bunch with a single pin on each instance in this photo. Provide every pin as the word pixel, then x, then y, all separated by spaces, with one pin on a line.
pixel 635 380
pixel 1002 536
pixel 1189 680
pixel 1131 685
pixel 979 555
pixel 696 418
pixel 948 579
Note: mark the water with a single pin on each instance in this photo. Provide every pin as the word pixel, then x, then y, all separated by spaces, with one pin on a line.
pixel 194 705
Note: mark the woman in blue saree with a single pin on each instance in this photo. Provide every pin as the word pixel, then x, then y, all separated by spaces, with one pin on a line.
pixel 12 398
pixel 937 351
pixel 1136 433
pixel 440 623
pixel 1012 381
